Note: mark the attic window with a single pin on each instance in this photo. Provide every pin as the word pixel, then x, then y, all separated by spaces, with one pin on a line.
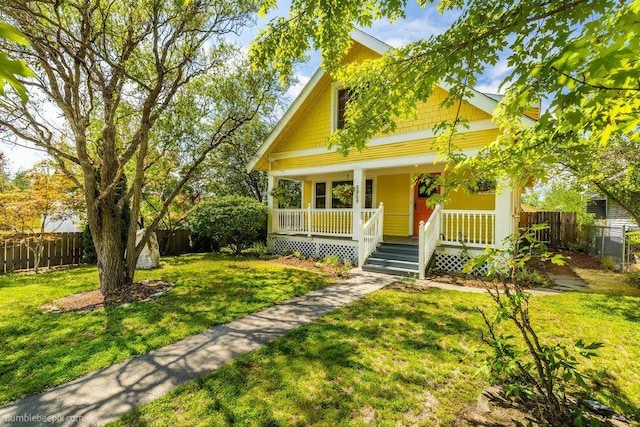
pixel 343 98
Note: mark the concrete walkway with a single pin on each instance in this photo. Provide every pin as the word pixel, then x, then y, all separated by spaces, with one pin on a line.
pixel 472 290
pixel 569 283
pixel 106 395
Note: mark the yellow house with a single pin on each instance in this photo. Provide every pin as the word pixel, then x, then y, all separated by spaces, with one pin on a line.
pixel 387 226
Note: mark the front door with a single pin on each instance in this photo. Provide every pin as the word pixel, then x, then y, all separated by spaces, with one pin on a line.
pixel 424 188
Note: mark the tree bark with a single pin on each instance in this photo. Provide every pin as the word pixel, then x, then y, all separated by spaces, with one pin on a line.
pixel 108 242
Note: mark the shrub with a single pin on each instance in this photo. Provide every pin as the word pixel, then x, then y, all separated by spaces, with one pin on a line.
pixel 634 237
pixel 539 372
pixel 608 263
pixel 232 221
pixel 633 278
pixel 332 260
pixel 259 249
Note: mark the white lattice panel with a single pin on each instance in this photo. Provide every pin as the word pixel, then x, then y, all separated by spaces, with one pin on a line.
pixel 282 246
pixel 452 263
pixel 343 251
pixel 316 249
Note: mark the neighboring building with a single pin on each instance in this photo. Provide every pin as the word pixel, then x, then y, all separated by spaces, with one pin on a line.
pixel 609 213
pixel 384 206
pixel 67 225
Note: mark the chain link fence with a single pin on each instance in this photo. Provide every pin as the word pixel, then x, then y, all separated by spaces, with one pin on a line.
pixel 616 242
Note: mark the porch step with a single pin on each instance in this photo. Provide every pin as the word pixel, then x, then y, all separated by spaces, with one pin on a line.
pixel 391 258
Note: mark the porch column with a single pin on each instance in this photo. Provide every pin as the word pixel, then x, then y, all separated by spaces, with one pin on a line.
pixel 358 201
pixel 504 212
pixel 272 182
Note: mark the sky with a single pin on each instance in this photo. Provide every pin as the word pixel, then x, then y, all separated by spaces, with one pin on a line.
pixel 419 24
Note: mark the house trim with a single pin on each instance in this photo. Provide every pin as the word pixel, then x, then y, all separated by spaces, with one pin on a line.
pixel 367 164
pixel 475 126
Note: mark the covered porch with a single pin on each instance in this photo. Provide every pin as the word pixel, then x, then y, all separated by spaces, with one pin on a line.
pixel 385 205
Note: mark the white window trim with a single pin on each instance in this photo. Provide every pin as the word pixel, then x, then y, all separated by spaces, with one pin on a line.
pixel 335 87
pixel 329 192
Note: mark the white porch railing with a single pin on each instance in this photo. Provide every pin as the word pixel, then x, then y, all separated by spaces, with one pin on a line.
pixel 370 235
pixel 456 228
pixel 428 239
pixel 471 228
pixel 318 222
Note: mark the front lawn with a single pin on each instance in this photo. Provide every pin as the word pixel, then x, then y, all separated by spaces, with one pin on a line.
pixel 397 358
pixel 40 350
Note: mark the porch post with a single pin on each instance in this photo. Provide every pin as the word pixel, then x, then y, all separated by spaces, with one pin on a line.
pixel 358 201
pixel 272 183
pixel 503 225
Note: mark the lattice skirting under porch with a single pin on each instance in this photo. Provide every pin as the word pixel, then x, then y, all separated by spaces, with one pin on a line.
pixel 313 247
pixel 453 263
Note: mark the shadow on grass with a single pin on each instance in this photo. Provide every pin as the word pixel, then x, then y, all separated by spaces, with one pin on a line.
pixel 624 307
pixel 40 350
pixel 377 353
pixel 606 386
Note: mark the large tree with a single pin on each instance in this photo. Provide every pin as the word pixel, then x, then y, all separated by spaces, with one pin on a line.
pixel 227 173
pixel 582 55
pixel 106 73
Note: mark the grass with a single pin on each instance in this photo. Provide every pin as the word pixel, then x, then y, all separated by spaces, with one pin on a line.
pixel 606 282
pixel 40 350
pixel 397 358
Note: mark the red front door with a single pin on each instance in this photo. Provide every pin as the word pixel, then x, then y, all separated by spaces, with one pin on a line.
pixel 424 187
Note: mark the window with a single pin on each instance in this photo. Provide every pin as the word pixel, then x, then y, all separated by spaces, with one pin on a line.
pixel 321 193
pixel 368 194
pixel 343 98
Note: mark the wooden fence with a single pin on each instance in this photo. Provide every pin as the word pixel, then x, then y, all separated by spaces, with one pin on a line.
pixel 61 249
pixel 66 249
pixel 562 230
pixel 174 242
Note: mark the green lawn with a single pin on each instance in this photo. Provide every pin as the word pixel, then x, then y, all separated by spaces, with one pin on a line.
pixel 39 350
pixel 396 358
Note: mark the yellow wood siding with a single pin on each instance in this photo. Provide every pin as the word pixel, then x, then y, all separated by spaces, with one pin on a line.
pixel 402 149
pixel 310 126
pixel 393 191
pixel 460 199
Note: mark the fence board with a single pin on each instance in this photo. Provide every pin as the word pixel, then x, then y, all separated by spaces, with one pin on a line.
pixel 562 230
pixel 66 249
pixel 174 242
pixel 63 249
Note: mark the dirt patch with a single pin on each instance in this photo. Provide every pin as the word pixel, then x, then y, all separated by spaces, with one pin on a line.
pixel 494 409
pixel 574 260
pixel 544 271
pixel 327 270
pixel 461 280
pixel 94 300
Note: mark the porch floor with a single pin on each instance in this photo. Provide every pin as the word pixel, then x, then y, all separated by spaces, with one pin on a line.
pixel 402 240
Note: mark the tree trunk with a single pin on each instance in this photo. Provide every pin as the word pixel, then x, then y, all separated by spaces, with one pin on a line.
pixel 108 242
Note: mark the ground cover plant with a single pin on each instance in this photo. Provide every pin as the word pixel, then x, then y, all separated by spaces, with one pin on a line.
pixel 39 350
pixel 398 358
